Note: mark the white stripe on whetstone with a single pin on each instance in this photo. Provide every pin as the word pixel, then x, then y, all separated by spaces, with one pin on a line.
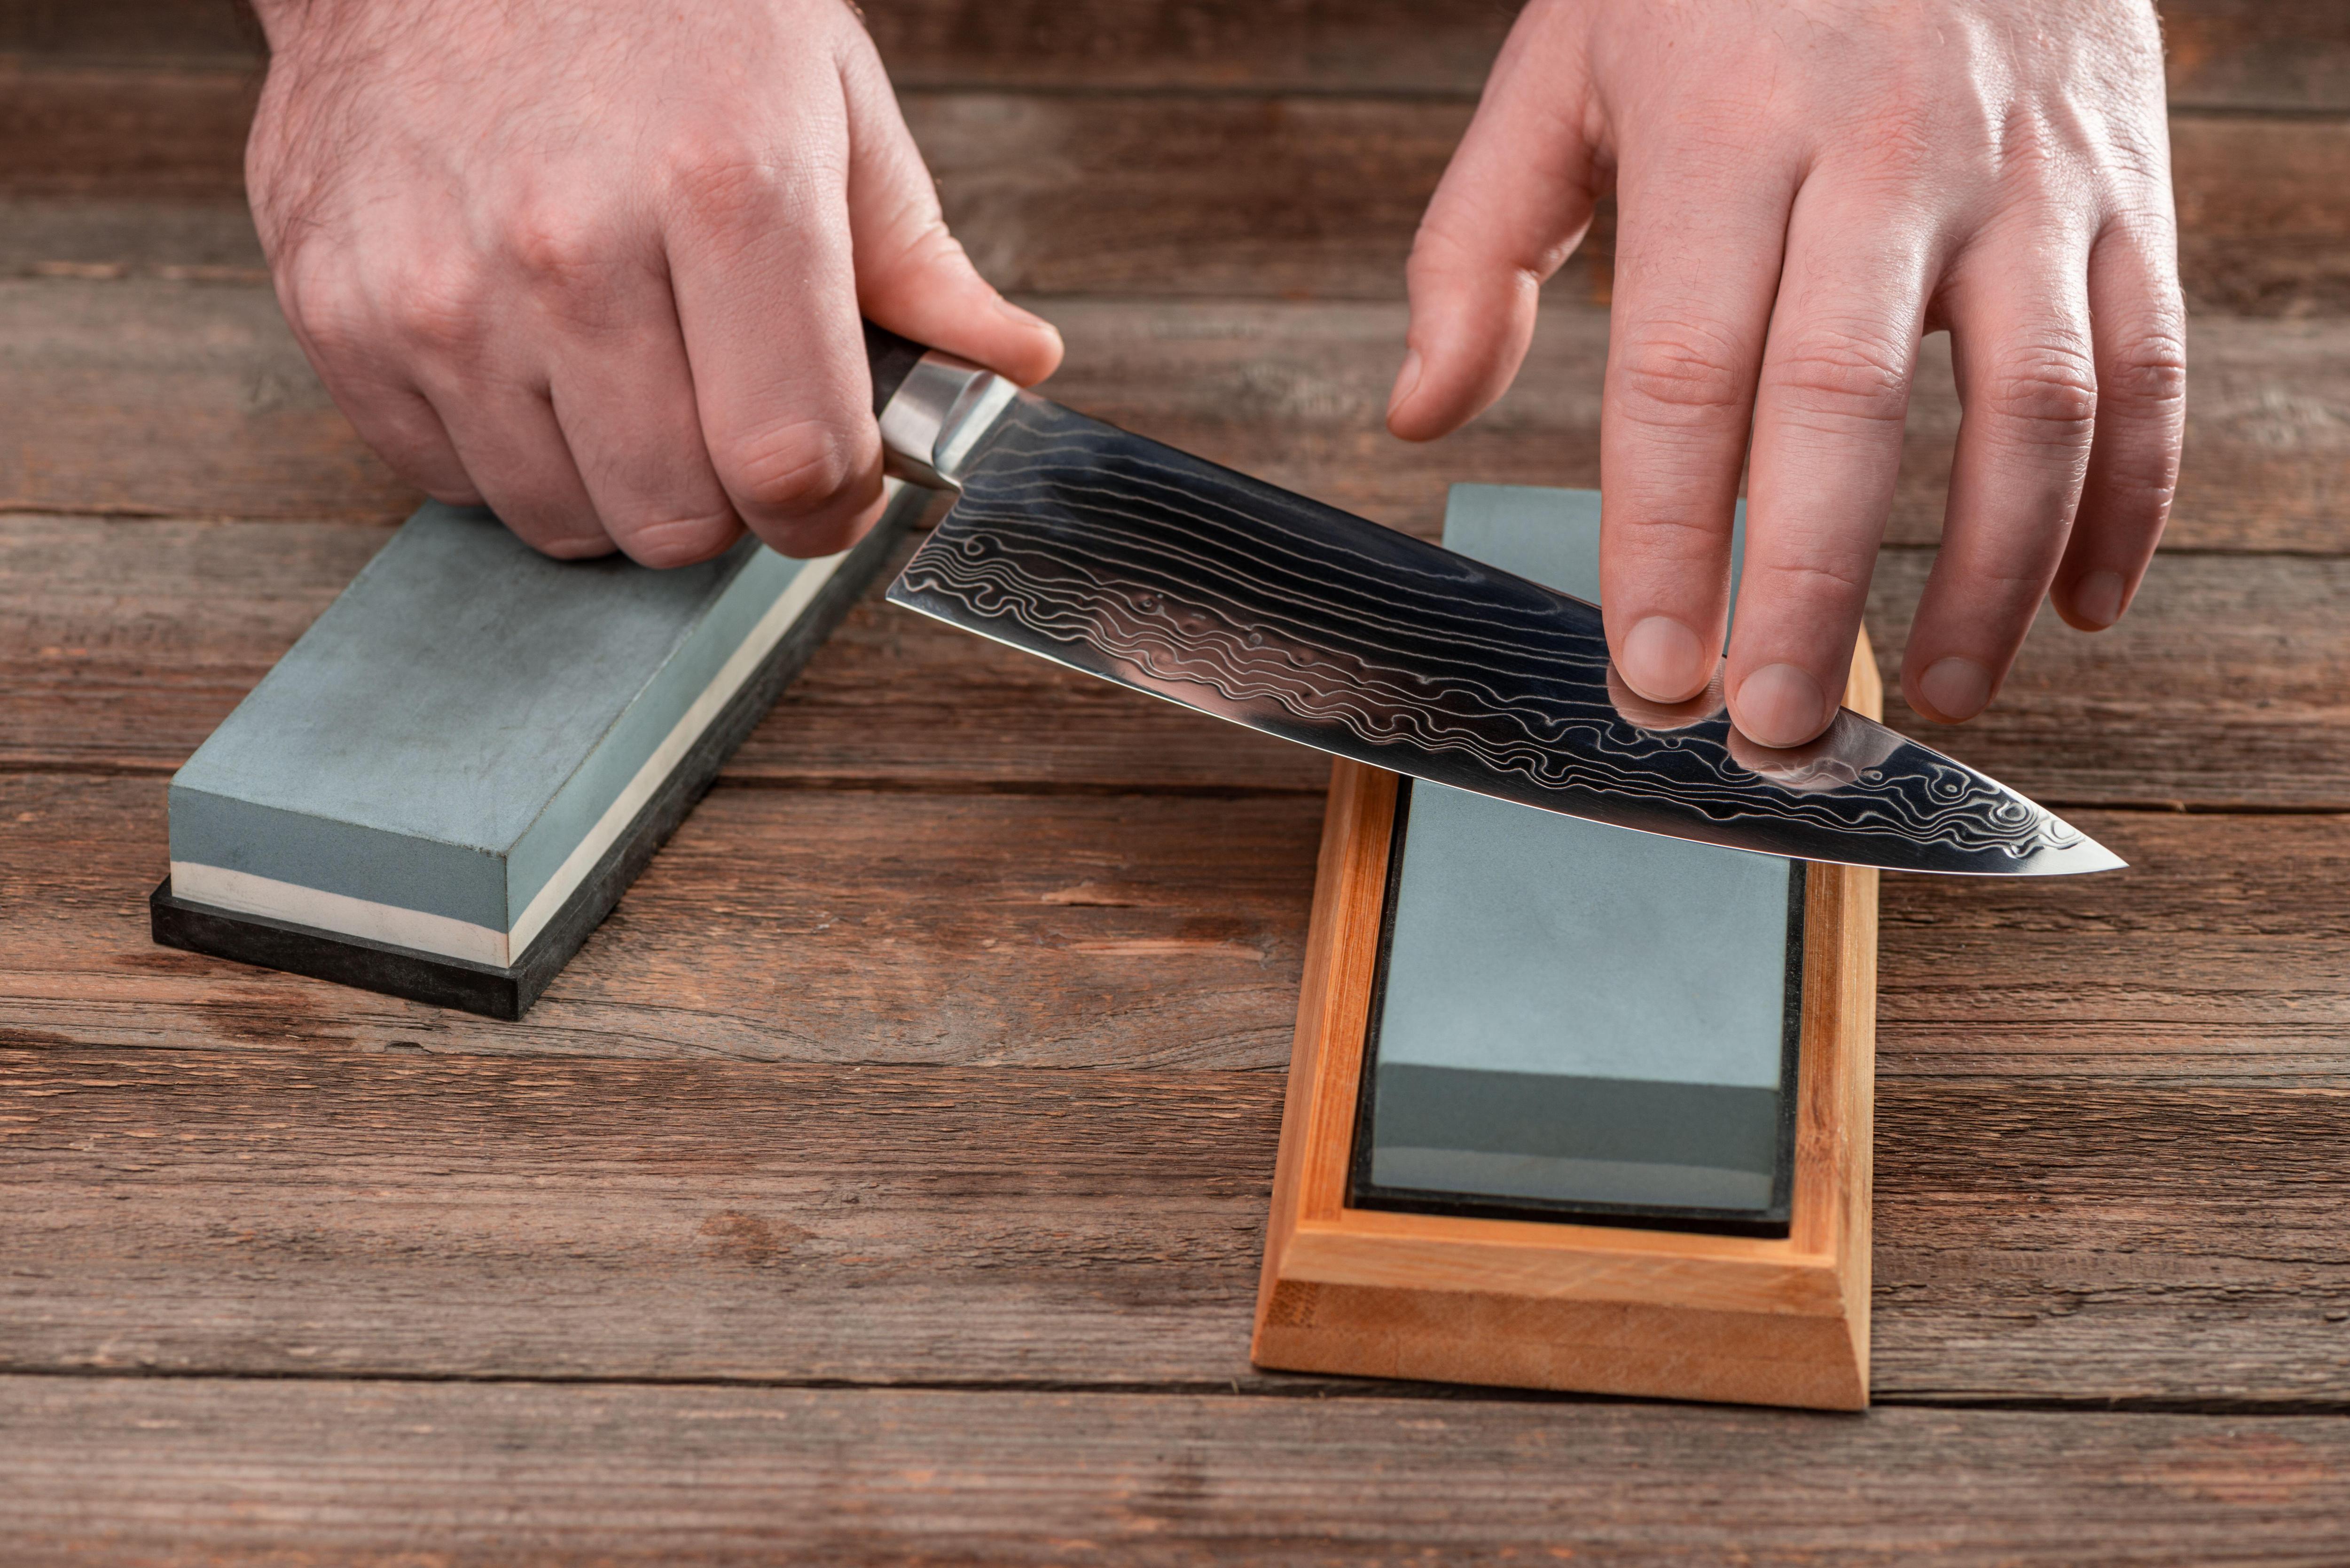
pixel 242 893
pixel 444 757
pixel 738 668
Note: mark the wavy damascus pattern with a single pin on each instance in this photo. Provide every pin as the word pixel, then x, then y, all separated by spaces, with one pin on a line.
pixel 1131 561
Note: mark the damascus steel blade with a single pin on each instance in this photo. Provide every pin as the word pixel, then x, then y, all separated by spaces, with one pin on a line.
pixel 1114 555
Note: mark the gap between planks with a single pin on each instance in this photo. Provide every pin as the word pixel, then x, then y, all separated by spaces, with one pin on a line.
pixel 1259 1386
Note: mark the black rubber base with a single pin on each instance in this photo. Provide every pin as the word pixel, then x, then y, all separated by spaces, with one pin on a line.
pixel 509 992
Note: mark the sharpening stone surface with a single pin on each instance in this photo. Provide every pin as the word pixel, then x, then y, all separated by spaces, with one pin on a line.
pixel 1573 1012
pixel 447 755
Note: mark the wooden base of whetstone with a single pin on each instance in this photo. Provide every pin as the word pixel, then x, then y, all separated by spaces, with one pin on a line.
pixel 1530 1303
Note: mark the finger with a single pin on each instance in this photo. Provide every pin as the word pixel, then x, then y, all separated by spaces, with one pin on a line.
pixel 1829 405
pixel 623 395
pixel 2019 316
pixel 1512 205
pixel 345 344
pixel 761 269
pixel 913 276
pixel 506 434
pixel 1697 263
pixel 2138 323
pixel 403 428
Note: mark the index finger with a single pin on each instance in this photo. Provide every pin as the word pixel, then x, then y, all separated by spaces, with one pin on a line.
pixel 763 270
pixel 1829 408
pixel 1697 260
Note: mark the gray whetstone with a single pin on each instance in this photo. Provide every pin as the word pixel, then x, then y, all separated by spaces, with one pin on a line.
pixel 456 725
pixel 1574 1011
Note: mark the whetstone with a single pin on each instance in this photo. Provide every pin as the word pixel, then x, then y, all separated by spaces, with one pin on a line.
pixel 449 781
pixel 1537 1064
pixel 1572 1017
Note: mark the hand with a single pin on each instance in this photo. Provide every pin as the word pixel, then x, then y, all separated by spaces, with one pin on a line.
pixel 599 265
pixel 1806 188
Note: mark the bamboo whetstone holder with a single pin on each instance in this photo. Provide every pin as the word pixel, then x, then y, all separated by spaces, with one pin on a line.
pixel 1538 1304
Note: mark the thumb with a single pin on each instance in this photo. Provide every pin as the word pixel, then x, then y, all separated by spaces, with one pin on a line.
pixel 913 276
pixel 1512 205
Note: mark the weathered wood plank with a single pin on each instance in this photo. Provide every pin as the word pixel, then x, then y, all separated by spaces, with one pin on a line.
pixel 1155 932
pixel 2222 688
pixel 2257 54
pixel 333 1213
pixel 159 397
pixel 1047 930
pixel 213 1472
pixel 215 32
pixel 123 643
pixel 2212 956
pixel 102 237
pixel 2265 209
pixel 147 397
pixel 124 131
pixel 2252 54
pixel 1250 194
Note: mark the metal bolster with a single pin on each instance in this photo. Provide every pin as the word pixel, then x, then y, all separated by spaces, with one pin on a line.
pixel 937 417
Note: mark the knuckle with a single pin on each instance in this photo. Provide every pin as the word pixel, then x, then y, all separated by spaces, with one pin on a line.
pixel 2150 369
pixel 336 322
pixel 791 470
pixel 436 310
pixel 2049 387
pixel 1818 576
pixel 1681 375
pixel 1850 375
pixel 716 178
pixel 558 247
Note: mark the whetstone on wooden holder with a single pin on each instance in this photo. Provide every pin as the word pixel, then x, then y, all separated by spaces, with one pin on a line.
pixel 1358 1281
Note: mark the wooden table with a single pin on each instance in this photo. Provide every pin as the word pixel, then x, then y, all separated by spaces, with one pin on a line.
pixel 887 1179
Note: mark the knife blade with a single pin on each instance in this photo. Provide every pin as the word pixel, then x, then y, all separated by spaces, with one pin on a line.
pixel 1117 556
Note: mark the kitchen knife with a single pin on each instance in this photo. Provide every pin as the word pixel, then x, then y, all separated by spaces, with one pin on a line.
pixel 1111 554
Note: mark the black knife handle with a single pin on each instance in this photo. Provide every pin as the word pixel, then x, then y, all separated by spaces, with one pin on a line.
pixel 891 359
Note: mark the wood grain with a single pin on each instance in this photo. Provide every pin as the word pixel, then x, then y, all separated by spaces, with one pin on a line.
pixel 2250 54
pixel 1148 930
pixel 147 397
pixel 1256 195
pixel 329 1212
pixel 2220 688
pixel 2214 955
pixel 215 32
pixel 97 237
pixel 125 642
pixel 2110 1113
pixel 835 926
pixel 2257 54
pixel 218 1472
pixel 159 397
pixel 124 131
pixel 2265 209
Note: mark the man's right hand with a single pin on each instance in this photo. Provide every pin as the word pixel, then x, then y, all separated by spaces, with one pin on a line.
pixel 601 267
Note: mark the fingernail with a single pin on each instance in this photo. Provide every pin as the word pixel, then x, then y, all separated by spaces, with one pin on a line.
pixel 1407 383
pixel 1955 689
pixel 1781 705
pixel 2097 597
pixel 1663 659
